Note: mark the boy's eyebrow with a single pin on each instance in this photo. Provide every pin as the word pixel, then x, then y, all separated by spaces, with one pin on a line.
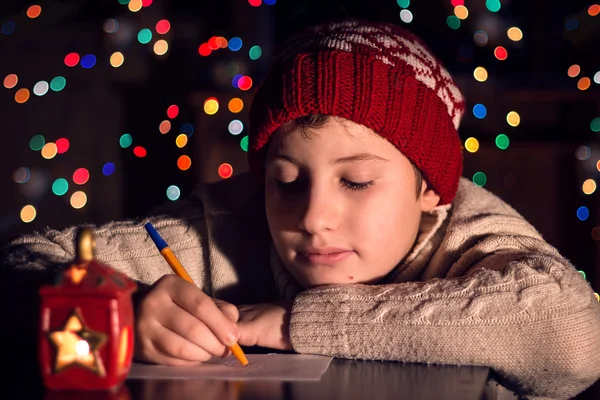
pixel 355 158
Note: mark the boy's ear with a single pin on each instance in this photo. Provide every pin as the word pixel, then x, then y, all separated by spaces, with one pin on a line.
pixel 429 199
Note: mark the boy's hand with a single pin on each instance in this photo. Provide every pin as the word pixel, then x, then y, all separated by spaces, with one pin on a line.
pixel 266 325
pixel 178 324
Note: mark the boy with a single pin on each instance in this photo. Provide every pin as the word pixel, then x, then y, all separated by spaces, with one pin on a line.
pixel 361 239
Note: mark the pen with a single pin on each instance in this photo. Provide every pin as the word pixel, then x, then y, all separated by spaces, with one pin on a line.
pixel 178 269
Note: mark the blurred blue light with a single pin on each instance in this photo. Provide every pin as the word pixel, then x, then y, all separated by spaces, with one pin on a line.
pixel 88 61
pixel 235 43
pixel 479 111
pixel 583 213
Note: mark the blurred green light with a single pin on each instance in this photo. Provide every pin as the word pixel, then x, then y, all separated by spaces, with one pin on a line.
pixel 145 36
pixel 453 22
pixel 582 274
pixel 403 3
pixel 244 143
pixel 479 179
pixel 58 83
pixel 255 52
pixel 493 5
pixel 37 142
pixel 595 125
pixel 124 2
pixel 125 141
pixel 60 186
pixel 502 141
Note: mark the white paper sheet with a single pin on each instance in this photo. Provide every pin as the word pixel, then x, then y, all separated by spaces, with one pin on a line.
pixel 280 367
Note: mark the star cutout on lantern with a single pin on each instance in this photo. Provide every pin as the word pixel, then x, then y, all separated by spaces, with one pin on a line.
pixel 76 344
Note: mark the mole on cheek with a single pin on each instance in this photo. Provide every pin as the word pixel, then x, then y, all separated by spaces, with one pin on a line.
pixel 351 277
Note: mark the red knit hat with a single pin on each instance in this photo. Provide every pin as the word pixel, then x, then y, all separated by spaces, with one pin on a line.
pixel 375 74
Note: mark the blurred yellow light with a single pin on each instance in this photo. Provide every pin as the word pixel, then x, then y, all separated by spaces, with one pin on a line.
pixel 49 150
pixel 117 59
pixel 584 83
pixel 236 105
pixel 514 34
pixel 461 12
pixel 480 74
pixel 161 47
pixel 573 70
pixel 181 140
pixel 598 165
pixel 78 199
pixel 472 145
pixel 22 95
pixel 211 106
pixel 28 214
pixel 164 126
pixel 513 118
pixel 589 186
pixel 135 5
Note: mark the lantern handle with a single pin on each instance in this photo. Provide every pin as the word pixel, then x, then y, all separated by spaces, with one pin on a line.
pixel 86 245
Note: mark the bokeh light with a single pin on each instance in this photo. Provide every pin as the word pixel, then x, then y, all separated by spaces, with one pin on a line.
pixel 583 153
pixel 235 43
pixel 584 83
pixel 10 81
pixel 571 24
pixel 597 78
pixel 479 111
pixel 60 186
pixel 161 47
pixel 71 59
pixel 255 52
pixel 140 152
pixel 62 145
pixel 480 38
pixel 594 10
pixel 255 3
pixel 58 83
pixel 28 213
pixel 21 175
pixel 81 176
pixel 502 141
pixel 461 12
pixel 173 193
pixel 211 106
pixel 117 59
pixel 184 162
pixel 204 50
pixel 8 27
pixel 574 70
pixel 144 36
pixel 406 16
pixel 88 61
pixel 583 213
pixel 479 179
pixel 472 145
pixel 480 74
pixel 172 111
pixel 453 22
pixel 187 128
pixel 37 142
pixel 22 95
pixel 78 200
pixel 515 34
pixel 164 127
pixel 225 170
pixel 181 140
pixel 500 53
pixel 41 88
pixel 513 118
pixel 589 186
pixel 49 150
pixel 214 43
pixel 595 125
pixel 111 25
pixel 236 127
pixel 236 105
pixel 245 83
pixel 163 26
pixel 108 169
pixel 403 3
pixel 244 143
pixel 493 5
pixel 135 5
pixel 125 140
pixel 34 11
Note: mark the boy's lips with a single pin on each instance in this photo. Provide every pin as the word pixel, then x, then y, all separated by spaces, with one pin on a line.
pixel 324 255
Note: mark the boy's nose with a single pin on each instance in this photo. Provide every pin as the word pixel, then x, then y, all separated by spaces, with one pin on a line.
pixel 320 212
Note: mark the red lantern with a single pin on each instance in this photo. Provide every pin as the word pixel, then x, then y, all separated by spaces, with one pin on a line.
pixel 86 327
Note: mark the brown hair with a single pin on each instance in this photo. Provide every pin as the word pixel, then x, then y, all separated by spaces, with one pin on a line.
pixel 307 124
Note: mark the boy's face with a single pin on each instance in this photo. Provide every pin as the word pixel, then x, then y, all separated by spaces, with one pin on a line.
pixel 341 205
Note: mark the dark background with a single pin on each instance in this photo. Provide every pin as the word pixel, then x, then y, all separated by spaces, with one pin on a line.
pixel 539 174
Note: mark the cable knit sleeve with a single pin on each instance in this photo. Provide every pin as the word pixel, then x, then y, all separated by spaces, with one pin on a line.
pixel 501 297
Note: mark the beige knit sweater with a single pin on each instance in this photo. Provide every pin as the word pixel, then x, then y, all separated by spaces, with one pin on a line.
pixel 481 286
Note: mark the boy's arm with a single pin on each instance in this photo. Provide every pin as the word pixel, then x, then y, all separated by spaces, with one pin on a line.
pixel 537 325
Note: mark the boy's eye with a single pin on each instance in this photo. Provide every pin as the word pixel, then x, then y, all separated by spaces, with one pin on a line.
pixel 348 184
